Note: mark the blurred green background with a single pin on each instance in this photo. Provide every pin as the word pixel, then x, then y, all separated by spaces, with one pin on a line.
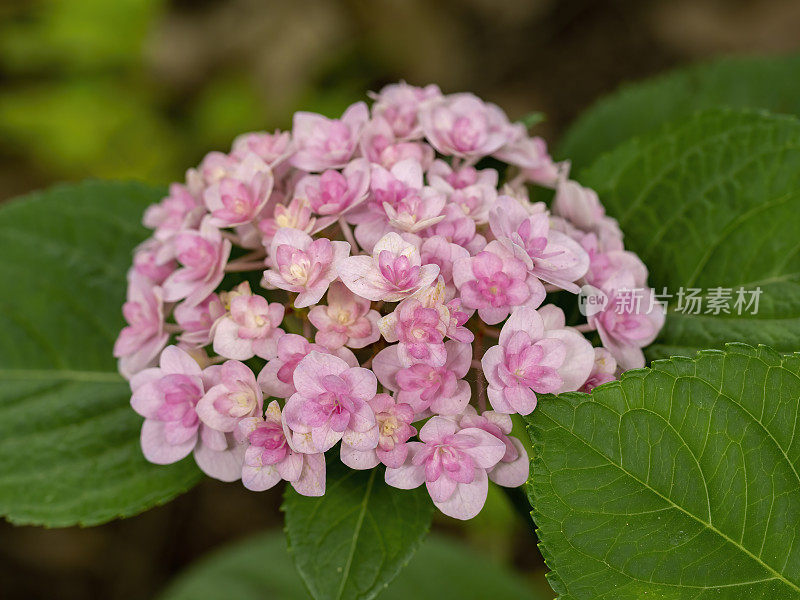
pixel 142 89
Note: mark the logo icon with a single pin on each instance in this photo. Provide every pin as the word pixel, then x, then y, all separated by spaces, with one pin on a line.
pixel 591 300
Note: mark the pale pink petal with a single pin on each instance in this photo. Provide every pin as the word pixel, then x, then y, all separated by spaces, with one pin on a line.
pixel 312 478
pixel 577 365
pixel 269 382
pixel 522 399
pixel 363 383
pixel 522 319
pixel 487 449
pixel 155 447
pixel 408 476
pixel 441 489
pixel 385 365
pixel 227 342
pixel 455 404
pixel 363 441
pixel 492 358
pixel 498 401
pixel 314 366
pixel 437 428
pixel 459 357
pixel 358 459
pixel 210 415
pixel 175 360
pixel 225 465
pixel 291 467
pixel 514 473
pixel 258 479
pixel 468 498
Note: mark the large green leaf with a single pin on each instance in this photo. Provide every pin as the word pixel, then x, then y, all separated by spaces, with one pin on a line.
pixel 678 482
pixel 260 568
pixel 714 202
pixel 355 539
pixel 69 441
pixel 639 108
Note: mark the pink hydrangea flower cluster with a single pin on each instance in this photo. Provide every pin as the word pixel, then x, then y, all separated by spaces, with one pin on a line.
pixel 373 285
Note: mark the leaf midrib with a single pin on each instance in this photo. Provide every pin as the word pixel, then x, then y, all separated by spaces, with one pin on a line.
pixel 359 523
pixel 709 526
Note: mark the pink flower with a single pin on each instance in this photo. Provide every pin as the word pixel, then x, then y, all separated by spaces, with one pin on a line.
pixel 177 211
pixel 346 321
pixel 380 146
pixel 630 321
pixel 277 377
pixel 399 201
pixel 549 255
pixel 250 328
pixel 513 469
pixel 203 255
pixel 269 458
pixel 272 148
pixel 459 229
pixel 442 175
pixel 452 463
pixel 139 343
pixel 393 272
pixel 394 429
pixel 295 215
pixel 153 259
pixel 398 105
pixel 323 143
pixel 331 404
pixel 464 125
pixel 451 315
pixel 603 370
pixel 455 323
pixel 578 204
pixel 474 199
pixel 197 321
pixel 530 154
pixel 425 387
pixel 436 250
pixel 167 397
pixel 530 360
pixel 238 198
pixel 235 397
pixel 608 267
pixel 495 282
pixel 420 332
pixel 303 265
pixel 334 193
pixel 214 167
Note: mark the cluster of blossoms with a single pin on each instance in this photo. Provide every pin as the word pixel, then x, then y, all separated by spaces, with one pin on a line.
pixel 339 284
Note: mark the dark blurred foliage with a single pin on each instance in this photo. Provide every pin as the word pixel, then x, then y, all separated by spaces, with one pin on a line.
pixel 143 88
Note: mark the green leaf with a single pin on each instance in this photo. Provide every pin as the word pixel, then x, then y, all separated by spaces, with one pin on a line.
pixel 354 540
pixel 260 568
pixel 640 108
pixel 69 441
pixel 714 202
pixel 679 481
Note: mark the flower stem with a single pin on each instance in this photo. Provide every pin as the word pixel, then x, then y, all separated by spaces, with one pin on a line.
pixel 233 237
pixel 236 266
pixel 490 331
pixel 480 382
pixel 348 235
pixel 585 328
